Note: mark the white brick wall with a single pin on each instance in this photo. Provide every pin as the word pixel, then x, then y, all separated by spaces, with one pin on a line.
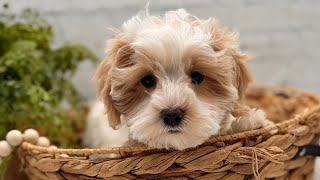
pixel 283 36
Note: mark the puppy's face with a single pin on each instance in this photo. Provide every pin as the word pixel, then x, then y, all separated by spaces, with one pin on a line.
pixel 171 79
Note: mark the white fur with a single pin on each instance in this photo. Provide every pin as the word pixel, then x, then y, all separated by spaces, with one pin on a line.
pixel 148 128
pixel 98 134
pixel 164 42
pixel 255 119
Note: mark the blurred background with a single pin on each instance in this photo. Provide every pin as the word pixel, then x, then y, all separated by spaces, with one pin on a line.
pixel 282 36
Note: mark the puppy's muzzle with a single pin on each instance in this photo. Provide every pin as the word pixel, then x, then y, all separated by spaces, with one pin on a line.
pixel 172 117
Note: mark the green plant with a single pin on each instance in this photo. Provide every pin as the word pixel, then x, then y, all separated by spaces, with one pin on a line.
pixel 35 78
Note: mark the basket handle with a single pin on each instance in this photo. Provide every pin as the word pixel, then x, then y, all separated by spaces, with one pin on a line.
pixel 308 150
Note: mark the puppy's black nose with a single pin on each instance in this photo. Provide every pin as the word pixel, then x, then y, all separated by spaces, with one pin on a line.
pixel 172 117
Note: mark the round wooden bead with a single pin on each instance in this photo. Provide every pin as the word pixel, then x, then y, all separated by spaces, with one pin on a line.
pixel 53 147
pixel 14 137
pixel 64 155
pixel 5 148
pixel 31 136
pixel 43 141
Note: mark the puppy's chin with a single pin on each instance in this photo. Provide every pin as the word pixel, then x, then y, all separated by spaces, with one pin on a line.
pixel 155 136
pixel 148 129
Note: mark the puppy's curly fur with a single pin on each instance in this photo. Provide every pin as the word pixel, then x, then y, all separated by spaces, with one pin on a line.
pixel 187 68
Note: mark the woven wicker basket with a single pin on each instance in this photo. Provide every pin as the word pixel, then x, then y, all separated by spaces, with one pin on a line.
pixel 255 154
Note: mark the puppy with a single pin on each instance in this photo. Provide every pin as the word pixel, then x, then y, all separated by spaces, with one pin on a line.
pixel 170 82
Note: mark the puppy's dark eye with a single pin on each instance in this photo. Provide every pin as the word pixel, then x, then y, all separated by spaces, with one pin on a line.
pixel 148 81
pixel 196 77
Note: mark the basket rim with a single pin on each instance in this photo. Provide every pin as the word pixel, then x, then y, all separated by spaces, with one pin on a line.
pixel 213 139
pixel 282 126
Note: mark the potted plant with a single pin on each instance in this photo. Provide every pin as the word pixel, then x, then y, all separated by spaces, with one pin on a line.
pixel 35 79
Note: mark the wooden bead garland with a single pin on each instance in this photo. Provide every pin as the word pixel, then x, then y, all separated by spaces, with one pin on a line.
pixel 15 138
pixel 53 147
pixel 30 135
pixel 43 141
pixel 5 148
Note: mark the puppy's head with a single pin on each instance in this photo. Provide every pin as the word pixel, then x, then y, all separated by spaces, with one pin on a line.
pixel 172 79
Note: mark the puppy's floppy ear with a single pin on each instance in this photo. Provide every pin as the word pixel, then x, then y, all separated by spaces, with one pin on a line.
pixel 242 74
pixel 224 40
pixel 115 52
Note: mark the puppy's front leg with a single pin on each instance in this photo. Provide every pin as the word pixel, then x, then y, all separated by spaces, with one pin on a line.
pixel 243 119
pixel 254 119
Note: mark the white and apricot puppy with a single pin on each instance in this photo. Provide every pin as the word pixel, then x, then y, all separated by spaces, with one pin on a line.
pixel 171 82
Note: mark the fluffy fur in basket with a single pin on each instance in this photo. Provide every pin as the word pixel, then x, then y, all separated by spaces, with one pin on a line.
pixel 170 82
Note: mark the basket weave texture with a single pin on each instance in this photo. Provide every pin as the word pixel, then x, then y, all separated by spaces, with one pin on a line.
pixel 266 153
